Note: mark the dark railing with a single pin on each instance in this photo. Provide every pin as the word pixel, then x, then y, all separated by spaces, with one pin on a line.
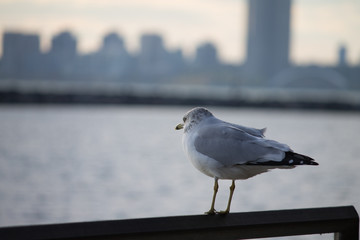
pixel 342 221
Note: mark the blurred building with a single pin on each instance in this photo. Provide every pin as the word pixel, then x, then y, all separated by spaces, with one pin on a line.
pixel 267 63
pixel 342 61
pixel 21 55
pixel 111 61
pixel 116 59
pixel 176 62
pixel 62 56
pixel 268 37
pixel 63 45
pixel 206 56
pixel 310 77
pixel 152 56
pixel 155 60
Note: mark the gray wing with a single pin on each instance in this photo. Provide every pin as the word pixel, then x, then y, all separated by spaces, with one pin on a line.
pixel 252 131
pixel 230 145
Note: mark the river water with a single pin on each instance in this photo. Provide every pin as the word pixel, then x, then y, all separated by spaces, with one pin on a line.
pixel 85 163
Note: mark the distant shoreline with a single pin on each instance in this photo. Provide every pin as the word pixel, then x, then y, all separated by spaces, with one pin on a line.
pixel 17 97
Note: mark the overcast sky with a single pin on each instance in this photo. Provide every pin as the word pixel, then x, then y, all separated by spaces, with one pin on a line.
pixel 318 27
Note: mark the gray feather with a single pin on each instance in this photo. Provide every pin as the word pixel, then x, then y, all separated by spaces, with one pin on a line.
pixel 230 144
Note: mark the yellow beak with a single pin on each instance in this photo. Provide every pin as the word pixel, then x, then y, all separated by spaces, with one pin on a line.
pixel 179 126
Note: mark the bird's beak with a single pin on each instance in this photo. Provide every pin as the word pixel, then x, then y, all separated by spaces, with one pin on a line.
pixel 179 126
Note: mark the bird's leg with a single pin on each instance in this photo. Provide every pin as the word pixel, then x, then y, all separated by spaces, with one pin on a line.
pixel 212 208
pixel 232 188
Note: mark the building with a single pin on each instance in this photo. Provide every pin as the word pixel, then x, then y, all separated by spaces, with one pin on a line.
pixel 62 56
pixel 21 55
pixel 206 56
pixel 342 61
pixel 113 59
pixel 63 45
pixel 113 45
pixel 154 59
pixel 268 38
pixel 152 56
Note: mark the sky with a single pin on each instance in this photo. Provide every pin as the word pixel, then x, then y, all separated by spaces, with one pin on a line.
pixel 318 28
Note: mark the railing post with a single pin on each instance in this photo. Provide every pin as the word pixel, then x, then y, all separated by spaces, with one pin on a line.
pixel 349 234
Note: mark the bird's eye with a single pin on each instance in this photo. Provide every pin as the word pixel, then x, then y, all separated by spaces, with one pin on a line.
pixel 184 119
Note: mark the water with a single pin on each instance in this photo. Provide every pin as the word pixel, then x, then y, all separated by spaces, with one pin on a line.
pixel 85 163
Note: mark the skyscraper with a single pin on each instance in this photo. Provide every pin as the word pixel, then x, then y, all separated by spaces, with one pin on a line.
pixel 268 37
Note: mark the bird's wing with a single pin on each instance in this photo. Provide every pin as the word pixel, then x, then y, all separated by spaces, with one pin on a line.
pixel 252 131
pixel 230 146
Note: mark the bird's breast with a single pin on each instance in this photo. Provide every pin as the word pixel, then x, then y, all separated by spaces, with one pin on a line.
pixel 200 161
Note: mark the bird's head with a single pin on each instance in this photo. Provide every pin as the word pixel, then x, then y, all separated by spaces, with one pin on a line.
pixel 193 117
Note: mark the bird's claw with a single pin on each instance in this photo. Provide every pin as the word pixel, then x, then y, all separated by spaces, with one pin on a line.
pixel 211 212
pixel 223 212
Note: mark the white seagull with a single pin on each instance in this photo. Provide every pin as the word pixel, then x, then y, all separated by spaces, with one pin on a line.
pixel 223 150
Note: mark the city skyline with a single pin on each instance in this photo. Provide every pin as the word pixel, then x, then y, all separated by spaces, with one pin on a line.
pixel 23 59
pixel 155 63
pixel 105 41
pixel 186 24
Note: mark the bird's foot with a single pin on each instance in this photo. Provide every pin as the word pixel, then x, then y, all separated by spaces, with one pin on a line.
pixel 211 212
pixel 224 212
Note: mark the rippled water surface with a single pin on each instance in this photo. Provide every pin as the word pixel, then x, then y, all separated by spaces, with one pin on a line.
pixel 84 163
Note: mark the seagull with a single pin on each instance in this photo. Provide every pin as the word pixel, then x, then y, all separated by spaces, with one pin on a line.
pixel 224 150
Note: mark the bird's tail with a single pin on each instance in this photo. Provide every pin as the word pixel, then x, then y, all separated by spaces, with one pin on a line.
pixel 292 158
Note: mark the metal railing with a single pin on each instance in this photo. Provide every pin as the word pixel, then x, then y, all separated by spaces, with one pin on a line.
pixel 343 221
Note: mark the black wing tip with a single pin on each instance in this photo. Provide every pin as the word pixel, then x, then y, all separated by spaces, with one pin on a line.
pixel 290 159
pixel 298 159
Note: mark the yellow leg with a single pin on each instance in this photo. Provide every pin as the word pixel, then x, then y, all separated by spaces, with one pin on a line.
pixel 232 188
pixel 212 210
